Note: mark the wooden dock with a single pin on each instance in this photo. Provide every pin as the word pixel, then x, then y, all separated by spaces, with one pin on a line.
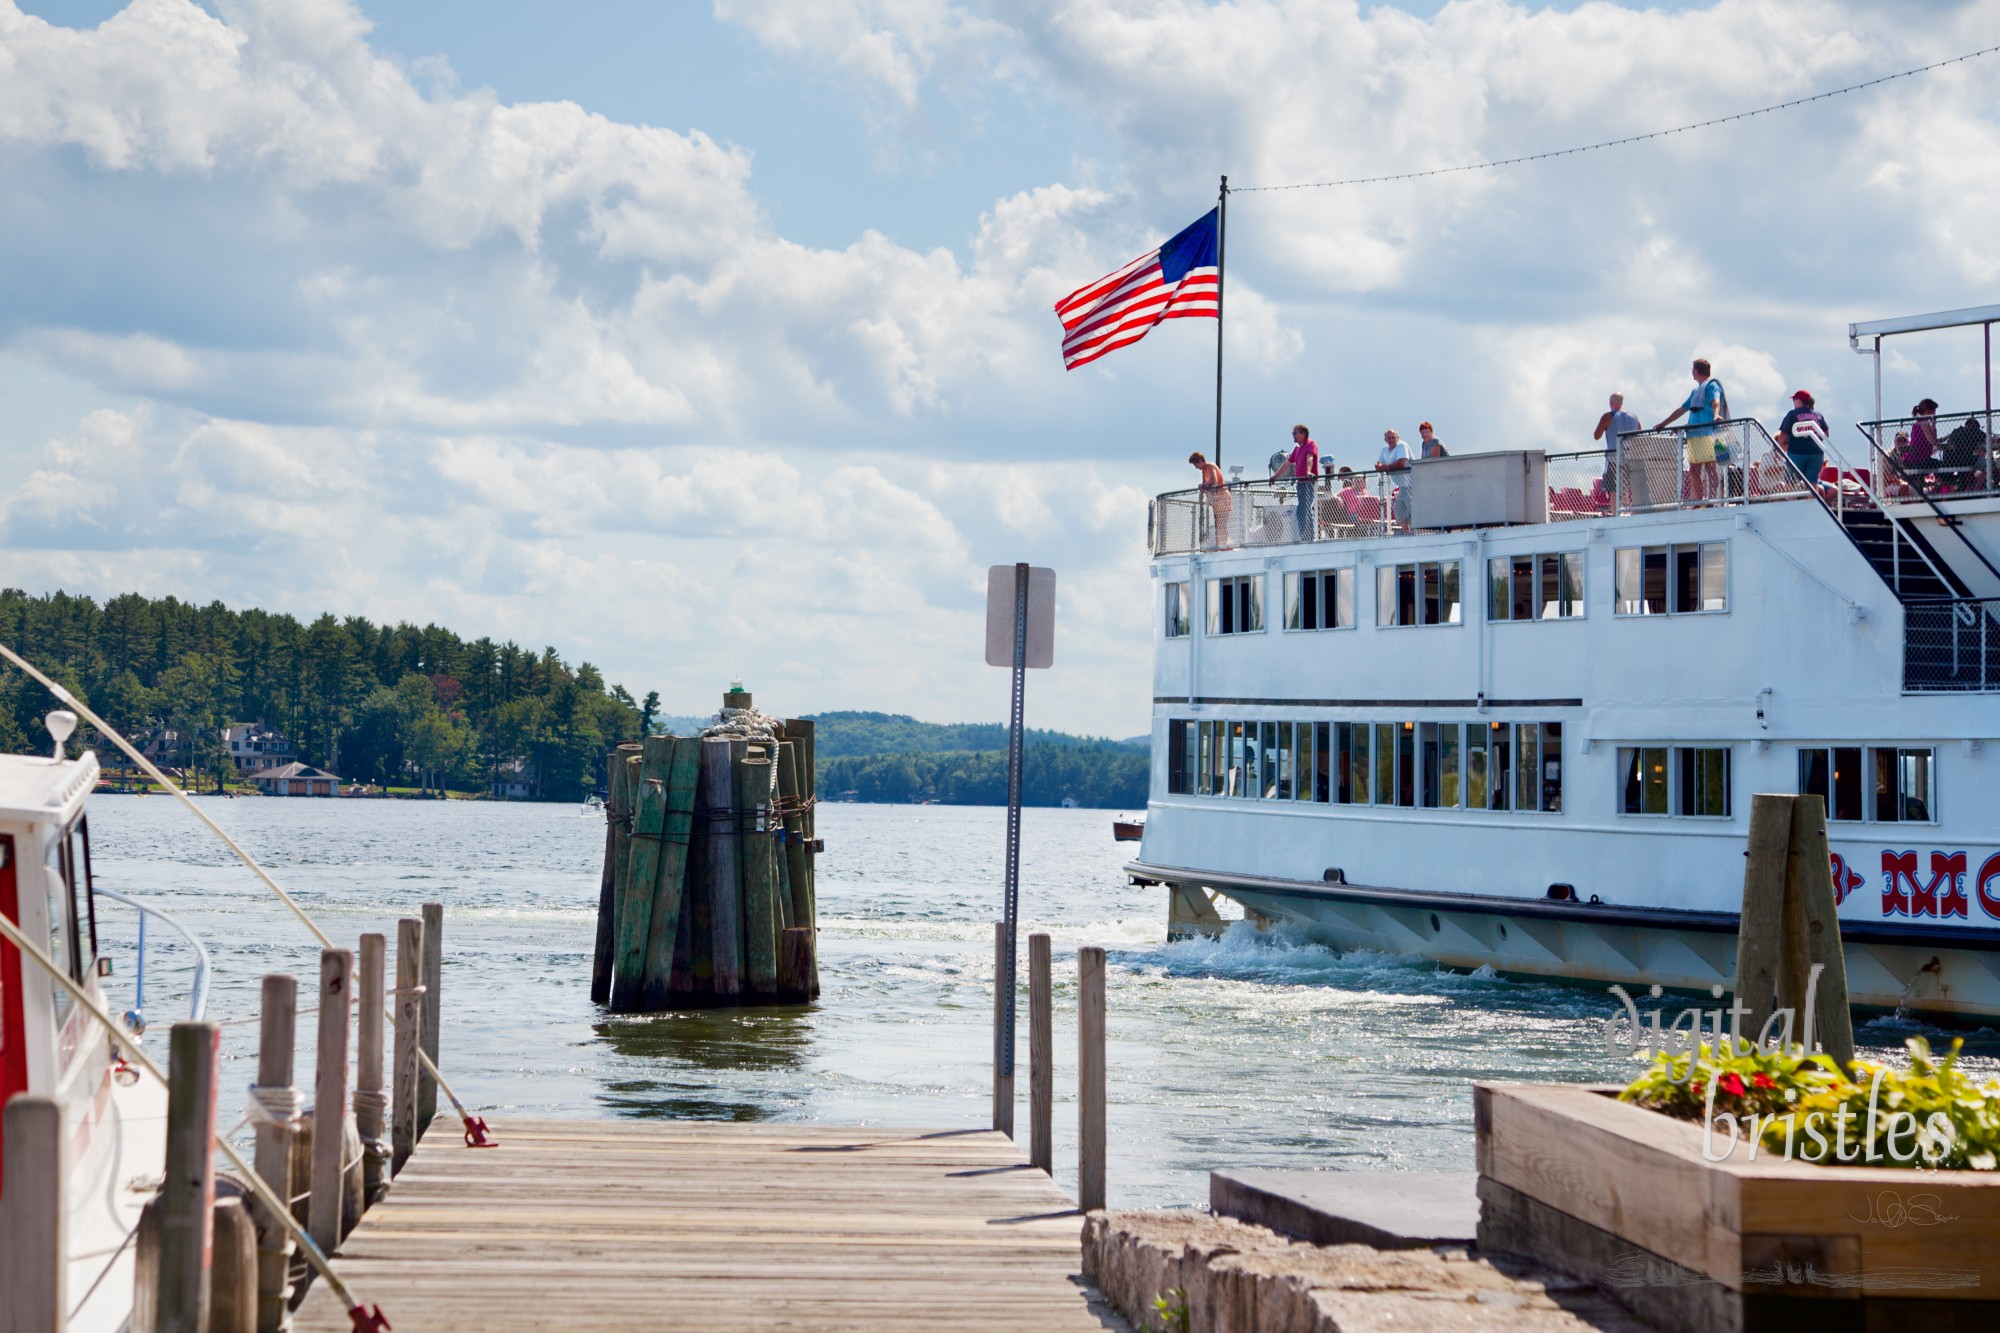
pixel 632 1224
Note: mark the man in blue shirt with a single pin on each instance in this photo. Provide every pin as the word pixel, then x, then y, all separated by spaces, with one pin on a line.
pixel 1704 448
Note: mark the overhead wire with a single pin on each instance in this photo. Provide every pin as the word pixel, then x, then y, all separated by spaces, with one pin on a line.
pixel 1619 143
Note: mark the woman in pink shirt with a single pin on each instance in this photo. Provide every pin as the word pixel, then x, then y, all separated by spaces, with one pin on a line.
pixel 1303 468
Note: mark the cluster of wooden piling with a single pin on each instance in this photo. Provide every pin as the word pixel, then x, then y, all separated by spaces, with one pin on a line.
pixel 210 1259
pixel 706 897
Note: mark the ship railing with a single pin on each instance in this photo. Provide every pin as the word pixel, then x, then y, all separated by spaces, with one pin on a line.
pixel 135 1018
pixel 1947 456
pixel 1684 467
pixel 1343 507
pixel 1910 480
pixel 1951 645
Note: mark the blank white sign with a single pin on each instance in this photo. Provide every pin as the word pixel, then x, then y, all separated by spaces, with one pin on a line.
pixel 1000 616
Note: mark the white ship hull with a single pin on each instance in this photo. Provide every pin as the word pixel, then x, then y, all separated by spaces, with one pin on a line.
pixel 1325 776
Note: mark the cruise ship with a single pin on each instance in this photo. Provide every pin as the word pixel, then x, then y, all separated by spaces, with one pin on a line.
pixel 1507 709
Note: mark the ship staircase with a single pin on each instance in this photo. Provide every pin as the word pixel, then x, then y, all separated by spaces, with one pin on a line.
pixel 1951 637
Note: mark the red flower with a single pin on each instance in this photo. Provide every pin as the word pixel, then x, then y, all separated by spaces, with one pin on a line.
pixel 1762 1080
pixel 1699 1087
pixel 1730 1084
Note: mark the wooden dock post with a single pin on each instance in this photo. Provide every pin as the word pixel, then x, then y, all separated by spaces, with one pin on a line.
pixel 724 884
pixel 371 1104
pixel 233 1273
pixel 336 987
pixel 755 780
pixel 34 1224
pixel 795 831
pixel 277 1035
pixel 799 731
pixel 1809 898
pixel 1788 923
pixel 1003 1083
pixel 611 881
pixel 187 1187
pixel 409 1038
pixel 635 921
pixel 433 1013
pixel 795 966
pixel 616 810
pixel 670 884
pixel 1041 1057
pixel 1090 1078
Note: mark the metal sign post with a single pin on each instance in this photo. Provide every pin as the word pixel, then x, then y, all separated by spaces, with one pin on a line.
pixel 1020 633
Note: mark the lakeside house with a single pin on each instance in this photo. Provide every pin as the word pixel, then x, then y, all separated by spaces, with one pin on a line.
pixel 296 779
pixel 517 779
pixel 254 747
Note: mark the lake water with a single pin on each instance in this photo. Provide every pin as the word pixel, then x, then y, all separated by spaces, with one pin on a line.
pixel 1250 1050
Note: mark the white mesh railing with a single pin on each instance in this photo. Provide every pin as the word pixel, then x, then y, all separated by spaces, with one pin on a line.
pixel 1685 467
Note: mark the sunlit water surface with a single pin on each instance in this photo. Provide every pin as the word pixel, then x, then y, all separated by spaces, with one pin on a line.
pixel 1244 1051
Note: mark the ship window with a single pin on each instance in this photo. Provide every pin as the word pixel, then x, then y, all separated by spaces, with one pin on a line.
pixel 1430 759
pixel 1643 774
pixel 1177 610
pixel 1689 781
pixel 1427 593
pixel 1702 776
pixel 1352 764
pixel 1448 750
pixel 1280 782
pixel 1475 767
pixel 1236 605
pixel 1552 768
pixel 1535 587
pixel 1322 766
pixel 1319 599
pixel 1658 580
pixel 1179 736
pixel 1499 766
pixel 1232 782
pixel 1883 783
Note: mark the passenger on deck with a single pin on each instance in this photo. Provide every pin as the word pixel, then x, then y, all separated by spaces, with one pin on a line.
pixel 1303 467
pixel 1432 446
pixel 1215 498
pixel 1612 427
pixel 1923 432
pixel 1395 458
pixel 1803 434
pixel 1964 458
pixel 1704 448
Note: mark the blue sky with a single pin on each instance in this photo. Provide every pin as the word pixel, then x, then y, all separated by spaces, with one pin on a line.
pixel 496 314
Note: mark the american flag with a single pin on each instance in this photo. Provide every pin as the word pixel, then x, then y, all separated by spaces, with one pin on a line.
pixel 1180 280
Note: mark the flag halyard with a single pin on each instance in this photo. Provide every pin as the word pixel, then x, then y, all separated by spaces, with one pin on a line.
pixel 1180 280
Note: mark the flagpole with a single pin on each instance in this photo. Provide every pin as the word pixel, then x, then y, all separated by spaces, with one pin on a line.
pixel 1221 247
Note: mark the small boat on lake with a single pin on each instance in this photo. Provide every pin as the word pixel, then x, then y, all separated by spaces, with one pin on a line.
pixel 1128 830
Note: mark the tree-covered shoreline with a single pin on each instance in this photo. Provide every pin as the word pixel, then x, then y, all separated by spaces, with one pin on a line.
pixel 403 705
pixel 374 703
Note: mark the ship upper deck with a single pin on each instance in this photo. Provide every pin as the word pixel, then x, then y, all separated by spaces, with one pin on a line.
pixel 1650 472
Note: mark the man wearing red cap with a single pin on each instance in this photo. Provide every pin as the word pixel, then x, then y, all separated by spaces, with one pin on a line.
pixel 1803 434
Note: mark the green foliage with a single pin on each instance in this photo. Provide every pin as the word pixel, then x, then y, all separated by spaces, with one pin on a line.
pixel 839 735
pixel 1098 774
pixel 1170 1309
pixel 375 703
pixel 1953 1123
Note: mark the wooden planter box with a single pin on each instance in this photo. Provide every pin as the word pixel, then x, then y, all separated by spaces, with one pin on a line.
pixel 1579 1181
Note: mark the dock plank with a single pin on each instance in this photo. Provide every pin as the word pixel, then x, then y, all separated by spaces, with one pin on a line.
pixel 636 1224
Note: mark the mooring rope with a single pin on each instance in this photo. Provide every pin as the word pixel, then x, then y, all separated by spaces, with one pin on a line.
pixel 475 1127
pixel 363 1317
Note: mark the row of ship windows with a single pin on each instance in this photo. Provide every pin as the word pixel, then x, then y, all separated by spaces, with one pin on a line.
pixel 1475 765
pixel 1649 581
pixel 1513 766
